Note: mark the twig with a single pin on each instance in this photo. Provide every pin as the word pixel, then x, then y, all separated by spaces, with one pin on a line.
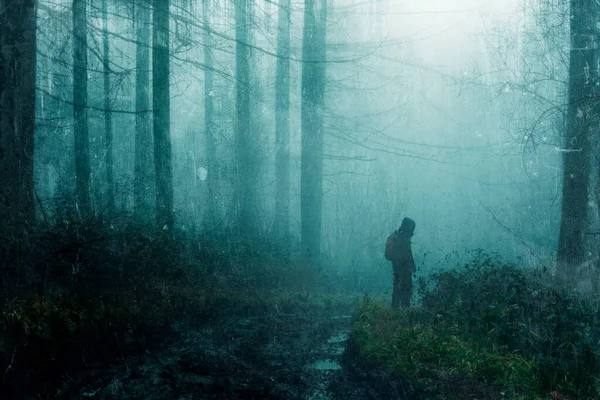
pixel 516 236
pixel 11 362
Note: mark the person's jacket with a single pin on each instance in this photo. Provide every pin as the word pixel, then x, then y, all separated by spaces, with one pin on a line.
pixel 400 252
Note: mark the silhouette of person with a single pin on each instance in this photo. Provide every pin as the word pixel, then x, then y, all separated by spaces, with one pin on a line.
pixel 399 252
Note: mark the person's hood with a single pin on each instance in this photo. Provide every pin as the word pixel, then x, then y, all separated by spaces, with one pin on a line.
pixel 408 225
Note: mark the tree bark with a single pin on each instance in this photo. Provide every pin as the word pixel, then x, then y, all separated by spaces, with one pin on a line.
pixel 161 101
pixel 246 191
pixel 143 185
pixel 582 93
pixel 108 125
pixel 80 98
pixel 282 129
pixel 17 109
pixel 209 124
pixel 313 99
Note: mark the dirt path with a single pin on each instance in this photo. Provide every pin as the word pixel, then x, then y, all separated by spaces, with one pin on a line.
pixel 269 357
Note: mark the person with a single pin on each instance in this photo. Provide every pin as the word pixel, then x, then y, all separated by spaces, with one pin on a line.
pixel 399 252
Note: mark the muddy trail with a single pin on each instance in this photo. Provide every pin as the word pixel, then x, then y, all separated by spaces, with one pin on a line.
pixel 274 356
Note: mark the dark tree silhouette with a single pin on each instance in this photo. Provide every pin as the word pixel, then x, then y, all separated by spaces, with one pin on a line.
pixel 108 122
pixel 581 115
pixel 17 109
pixel 246 188
pixel 313 102
pixel 143 185
pixel 161 104
pixel 282 129
pixel 80 111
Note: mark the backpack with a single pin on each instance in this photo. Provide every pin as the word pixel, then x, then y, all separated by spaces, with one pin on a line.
pixel 390 247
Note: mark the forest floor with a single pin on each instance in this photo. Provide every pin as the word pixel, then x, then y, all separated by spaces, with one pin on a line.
pixel 271 356
pixel 101 313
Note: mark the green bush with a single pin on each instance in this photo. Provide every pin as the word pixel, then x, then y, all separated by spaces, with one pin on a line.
pixel 430 360
pixel 493 322
pixel 523 311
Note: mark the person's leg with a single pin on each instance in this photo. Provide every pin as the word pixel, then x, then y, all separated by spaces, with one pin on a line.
pixel 396 290
pixel 405 289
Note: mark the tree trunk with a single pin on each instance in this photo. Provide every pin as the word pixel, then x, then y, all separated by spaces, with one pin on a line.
pixel 108 125
pixel 80 98
pixel 313 99
pixel 143 185
pixel 17 109
pixel 282 130
pixel 576 155
pixel 209 124
pixel 246 191
pixel 161 101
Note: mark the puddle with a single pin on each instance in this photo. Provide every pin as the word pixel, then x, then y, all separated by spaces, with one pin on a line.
pixel 339 337
pixel 325 365
pixel 342 317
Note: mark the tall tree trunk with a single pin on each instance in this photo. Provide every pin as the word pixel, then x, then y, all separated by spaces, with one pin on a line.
pixel 161 104
pixel 143 185
pixel 17 108
pixel 282 129
pixel 313 99
pixel 108 125
pixel 209 124
pixel 80 98
pixel 576 155
pixel 246 191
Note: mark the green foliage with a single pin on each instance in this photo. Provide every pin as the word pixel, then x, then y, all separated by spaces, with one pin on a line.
pixel 490 321
pixel 431 360
pixel 499 304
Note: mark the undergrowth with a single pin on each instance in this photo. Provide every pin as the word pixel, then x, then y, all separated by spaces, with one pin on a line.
pixel 79 296
pixel 490 329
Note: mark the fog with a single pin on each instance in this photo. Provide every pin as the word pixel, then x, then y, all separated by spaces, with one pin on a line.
pixel 207 198
pixel 440 111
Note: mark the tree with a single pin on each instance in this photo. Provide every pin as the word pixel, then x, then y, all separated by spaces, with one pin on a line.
pixel 313 101
pixel 17 108
pixel 80 98
pixel 581 114
pixel 209 124
pixel 282 128
pixel 246 190
pixel 108 125
pixel 143 119
pixel 161 106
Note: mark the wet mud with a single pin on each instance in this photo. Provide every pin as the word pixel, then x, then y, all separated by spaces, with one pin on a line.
pixel 274 356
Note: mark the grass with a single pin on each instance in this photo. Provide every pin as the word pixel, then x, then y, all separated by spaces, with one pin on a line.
pixel 433 362
pixel 486 330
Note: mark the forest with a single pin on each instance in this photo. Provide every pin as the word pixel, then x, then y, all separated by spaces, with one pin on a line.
pixel 197 199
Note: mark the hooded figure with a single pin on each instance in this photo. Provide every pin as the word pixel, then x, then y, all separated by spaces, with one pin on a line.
pixel 399 252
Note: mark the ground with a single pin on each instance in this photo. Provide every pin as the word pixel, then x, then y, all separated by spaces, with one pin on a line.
pixel 274 355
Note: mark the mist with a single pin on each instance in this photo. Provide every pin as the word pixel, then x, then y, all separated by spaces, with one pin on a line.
pixel 248 150
pixel 423 117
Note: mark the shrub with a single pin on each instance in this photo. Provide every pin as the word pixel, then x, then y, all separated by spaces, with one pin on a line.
pixel 524 312
pixel 488 321
pixel 429 360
